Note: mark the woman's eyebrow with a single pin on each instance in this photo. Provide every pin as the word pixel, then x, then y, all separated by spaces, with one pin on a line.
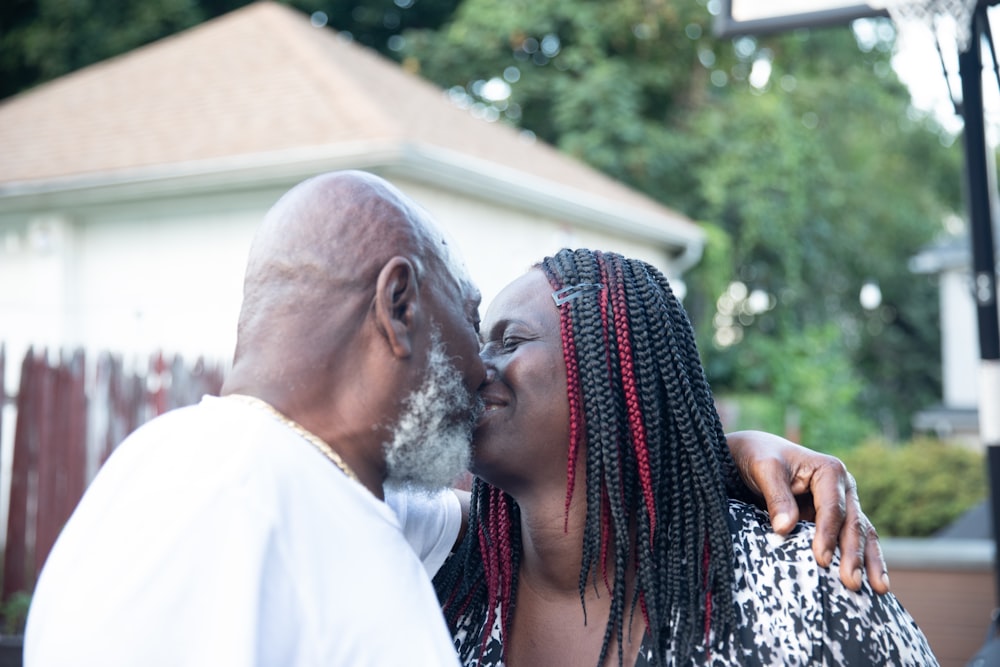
pixel 485 334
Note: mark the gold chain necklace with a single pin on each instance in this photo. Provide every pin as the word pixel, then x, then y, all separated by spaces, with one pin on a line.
pixel 310 437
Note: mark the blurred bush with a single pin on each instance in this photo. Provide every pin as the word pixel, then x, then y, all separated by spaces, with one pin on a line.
pixel 914 489
pixel 14 613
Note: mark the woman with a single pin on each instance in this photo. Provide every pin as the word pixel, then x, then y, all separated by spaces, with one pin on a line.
pixel 601 529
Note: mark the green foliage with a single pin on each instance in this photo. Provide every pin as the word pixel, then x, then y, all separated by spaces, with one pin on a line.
pixel 708 278
pixel 757 412
pixel 826 198
pixel 597 79
pixel 812 390
pixel 916 489
pixel 379 24
pixel 14 613
pixel 43 39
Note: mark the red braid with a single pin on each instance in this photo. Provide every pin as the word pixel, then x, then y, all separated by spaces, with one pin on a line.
pixel 497 560
pixel 575 406
pixel 489 569
pixel 573 395
pixel 605 500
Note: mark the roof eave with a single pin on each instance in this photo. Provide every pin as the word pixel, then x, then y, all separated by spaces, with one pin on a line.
pixel 680 237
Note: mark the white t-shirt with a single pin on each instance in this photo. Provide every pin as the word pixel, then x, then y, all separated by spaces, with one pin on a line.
pixel 430 521
pixel 215 535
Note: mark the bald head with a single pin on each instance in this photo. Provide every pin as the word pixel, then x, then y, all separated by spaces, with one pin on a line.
pixel 334 230
pixel 320 248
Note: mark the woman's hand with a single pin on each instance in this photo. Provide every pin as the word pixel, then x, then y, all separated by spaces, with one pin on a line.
pixel 796 482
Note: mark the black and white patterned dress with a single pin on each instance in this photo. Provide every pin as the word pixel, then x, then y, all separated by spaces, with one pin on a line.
pixel 792 612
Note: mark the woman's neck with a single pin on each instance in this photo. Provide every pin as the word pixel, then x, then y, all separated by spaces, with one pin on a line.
pixel 549 619
pixel 552 545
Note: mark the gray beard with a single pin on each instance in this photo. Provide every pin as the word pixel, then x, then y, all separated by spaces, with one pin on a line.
pixel 430 445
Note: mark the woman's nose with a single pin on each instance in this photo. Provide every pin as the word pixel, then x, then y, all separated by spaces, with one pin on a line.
pixel 491 373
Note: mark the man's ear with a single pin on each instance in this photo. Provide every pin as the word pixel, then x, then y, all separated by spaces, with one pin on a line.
pixel 397 300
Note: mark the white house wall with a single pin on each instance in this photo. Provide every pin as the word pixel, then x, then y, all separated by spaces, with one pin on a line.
pixel 130 277
pixel 166 274
pixel 177 277
pixel 500 243
pixel 960 342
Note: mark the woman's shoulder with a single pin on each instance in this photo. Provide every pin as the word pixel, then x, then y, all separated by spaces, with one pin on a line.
pixel 801 613
pixel 754 538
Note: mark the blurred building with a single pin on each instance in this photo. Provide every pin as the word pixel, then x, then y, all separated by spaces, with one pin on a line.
pixel 130 190
pixel 957 416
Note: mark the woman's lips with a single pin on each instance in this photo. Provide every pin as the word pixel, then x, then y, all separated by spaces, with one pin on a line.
pixel 490 404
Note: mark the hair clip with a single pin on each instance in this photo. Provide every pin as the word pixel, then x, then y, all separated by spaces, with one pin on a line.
pixel 565 294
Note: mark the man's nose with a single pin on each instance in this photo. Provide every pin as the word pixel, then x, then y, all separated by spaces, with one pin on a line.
pixel 484 354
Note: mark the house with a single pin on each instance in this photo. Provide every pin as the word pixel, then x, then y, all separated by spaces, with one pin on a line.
pixel 129 190
pixel 957 416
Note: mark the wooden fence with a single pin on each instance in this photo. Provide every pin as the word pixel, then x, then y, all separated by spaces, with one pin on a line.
pixel 69 413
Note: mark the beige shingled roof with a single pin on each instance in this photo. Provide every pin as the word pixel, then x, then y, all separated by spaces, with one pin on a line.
pixel 259 81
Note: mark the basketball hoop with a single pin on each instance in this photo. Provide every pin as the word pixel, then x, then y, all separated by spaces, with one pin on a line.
pixel 949 23
pixel 940 17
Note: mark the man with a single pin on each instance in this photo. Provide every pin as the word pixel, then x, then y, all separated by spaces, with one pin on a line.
pixel 227 534
pixel 250 529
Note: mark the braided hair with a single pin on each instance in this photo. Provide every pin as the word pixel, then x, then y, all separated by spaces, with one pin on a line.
pixel 658 470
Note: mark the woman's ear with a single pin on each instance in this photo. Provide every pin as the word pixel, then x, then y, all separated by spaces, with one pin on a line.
pixel 397 300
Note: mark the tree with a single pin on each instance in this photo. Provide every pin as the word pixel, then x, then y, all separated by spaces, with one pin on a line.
pixel 600 80
pixel 846 185
pixel 44 39
pixel 802 148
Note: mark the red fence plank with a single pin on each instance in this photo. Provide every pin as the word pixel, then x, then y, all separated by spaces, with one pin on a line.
pixel 69 418
pixel 62 452
pixel 44 399
pixel 25 445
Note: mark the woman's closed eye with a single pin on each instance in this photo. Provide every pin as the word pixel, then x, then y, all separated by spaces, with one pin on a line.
pixel 501 346
pixel 504 344
pixel 510 343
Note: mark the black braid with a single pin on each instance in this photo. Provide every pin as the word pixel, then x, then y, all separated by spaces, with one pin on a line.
pixel 591 350
pixel 639 295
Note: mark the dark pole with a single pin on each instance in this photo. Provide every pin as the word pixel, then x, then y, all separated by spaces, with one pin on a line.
pixel 970 66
